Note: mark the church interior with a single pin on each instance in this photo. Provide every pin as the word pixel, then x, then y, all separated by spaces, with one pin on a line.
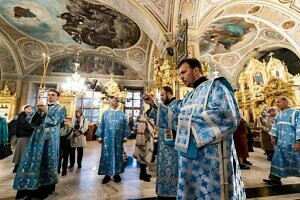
pixel 92 49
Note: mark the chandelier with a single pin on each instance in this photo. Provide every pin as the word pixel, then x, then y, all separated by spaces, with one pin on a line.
pixel 75 84
pixel 113 89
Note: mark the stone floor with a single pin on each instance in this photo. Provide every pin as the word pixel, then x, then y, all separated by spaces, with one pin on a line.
pixel 86 184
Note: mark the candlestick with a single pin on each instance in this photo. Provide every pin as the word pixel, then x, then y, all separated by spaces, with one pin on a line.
pixel 42 90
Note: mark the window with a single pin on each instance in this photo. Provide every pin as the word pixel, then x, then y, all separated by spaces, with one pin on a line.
pixel 90 104
pixel 133 103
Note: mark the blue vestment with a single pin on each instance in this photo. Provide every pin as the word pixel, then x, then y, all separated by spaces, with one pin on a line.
pixel 208 165
pixel 286 129
pixel 3 131
pixel 112 129
pixel 38 166
pixel 167 160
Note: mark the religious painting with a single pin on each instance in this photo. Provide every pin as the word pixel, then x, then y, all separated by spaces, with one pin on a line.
pixel 91 64
pixel 181 42
pixel 71 22
pixel 258 79
pixel 226 35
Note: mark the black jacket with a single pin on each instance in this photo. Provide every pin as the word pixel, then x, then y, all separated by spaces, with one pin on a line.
pixel 24 128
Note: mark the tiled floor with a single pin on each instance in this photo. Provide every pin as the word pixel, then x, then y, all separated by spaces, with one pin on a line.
pixel 86 184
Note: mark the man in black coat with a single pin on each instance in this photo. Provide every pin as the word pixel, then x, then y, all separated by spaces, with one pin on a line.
pixel 23 133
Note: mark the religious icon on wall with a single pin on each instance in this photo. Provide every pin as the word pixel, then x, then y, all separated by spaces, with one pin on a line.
pixel 258 79
pixel 181 42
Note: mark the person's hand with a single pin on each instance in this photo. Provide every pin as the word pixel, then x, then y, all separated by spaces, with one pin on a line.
pixel 42 107
pixel 148 99
pixel 297 146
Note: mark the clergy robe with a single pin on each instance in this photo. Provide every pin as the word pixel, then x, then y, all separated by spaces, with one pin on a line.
pixel 167 159
pixel 286 129
pixel 208 165
pixel 113 129
pixel 38 166
pixel 3 131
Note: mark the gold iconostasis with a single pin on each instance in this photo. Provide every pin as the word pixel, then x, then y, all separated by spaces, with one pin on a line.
pixel 261 83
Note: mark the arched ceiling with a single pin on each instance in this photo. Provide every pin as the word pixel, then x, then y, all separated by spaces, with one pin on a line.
pixel 233 31
pixel 224 32
pixel 72 22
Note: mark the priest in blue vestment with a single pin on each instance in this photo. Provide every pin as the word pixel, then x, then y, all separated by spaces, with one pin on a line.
pixel 205 120
pixel 37 172
pixel 112 132
pixel 167 156
pixel 286 131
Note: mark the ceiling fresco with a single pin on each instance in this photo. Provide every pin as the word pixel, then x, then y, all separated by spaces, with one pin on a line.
pixel 71 22
pixel 226 35
pixel 91 64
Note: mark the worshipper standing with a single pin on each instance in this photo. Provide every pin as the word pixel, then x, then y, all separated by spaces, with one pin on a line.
pixel 37 172
pixel 23 132
pixel 249 140
pixel 78 141
pixel 241 145
pixel 112 132
pixel 64 146
pixel 144 145
pixel 265 122
pixel 286 131
pixel 205 120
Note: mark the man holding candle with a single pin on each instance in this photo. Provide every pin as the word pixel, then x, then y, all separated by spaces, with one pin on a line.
pixel 37 172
